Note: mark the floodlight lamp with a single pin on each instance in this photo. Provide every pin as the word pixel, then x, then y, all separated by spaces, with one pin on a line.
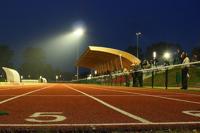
pixel 166 55
pixel 79 31
pixel 95 72
pixel 154 54
pixel 138 33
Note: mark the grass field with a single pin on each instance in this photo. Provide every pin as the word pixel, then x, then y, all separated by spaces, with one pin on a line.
pixel 159 78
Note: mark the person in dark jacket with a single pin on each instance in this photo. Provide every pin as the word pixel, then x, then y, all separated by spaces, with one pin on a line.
pixel 137 75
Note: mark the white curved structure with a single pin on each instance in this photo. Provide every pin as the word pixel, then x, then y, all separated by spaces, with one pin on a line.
pixel 44 80
pixel 11 75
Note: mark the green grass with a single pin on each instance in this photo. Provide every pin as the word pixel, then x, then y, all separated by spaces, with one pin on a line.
pixel 2 80
pixel 159 78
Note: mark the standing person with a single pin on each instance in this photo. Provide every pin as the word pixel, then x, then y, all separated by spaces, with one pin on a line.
pixel 140 75
pixel 177 57
pixel 126 74
pixel 185 70
pixel 137 76
pixel 134 75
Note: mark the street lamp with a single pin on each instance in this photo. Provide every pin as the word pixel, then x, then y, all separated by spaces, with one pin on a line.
pixel 154 58
pixel 153 65
pixel 138 34
pixel 78 32
pixel 154 54
pixel 166 57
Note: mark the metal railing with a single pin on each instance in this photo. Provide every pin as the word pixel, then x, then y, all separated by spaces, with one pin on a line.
pixel 156 76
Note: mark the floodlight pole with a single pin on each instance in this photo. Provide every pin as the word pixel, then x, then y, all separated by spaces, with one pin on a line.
pixel 154 64
pixel 77 72
pixel 137 34
pixel 79 31
pixel 77 67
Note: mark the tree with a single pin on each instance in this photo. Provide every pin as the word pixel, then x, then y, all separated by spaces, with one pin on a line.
pixel 196 51
pixel 160 48
pixel 34 63
pixel 6 55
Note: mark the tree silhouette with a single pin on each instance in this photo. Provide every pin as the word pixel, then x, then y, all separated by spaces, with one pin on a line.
pixel 34 64
pixel 196 52
pixel 133 50
pixel 160 48
pixel 6 55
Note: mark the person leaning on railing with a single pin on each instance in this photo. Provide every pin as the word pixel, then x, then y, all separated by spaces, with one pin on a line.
pixel 126 74
pixel 185 70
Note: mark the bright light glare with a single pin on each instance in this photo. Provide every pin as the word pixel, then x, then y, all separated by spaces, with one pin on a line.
pixel 95 72
pixel 154 54
pixel 166 55
pixel 138 33
pixel 79 31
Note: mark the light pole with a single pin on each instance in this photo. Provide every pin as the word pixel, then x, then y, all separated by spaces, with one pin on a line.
pixel 153 65
pixel 138 34
pixel 78 32
pixel 166 57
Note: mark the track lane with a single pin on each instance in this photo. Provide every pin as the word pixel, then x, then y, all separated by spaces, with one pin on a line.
pixel 77 109
pixel 171 94
pixel 62 98
pixel 154 108
pixel 22 95
pixel 17 90
pixel 111 106
pixel 150 90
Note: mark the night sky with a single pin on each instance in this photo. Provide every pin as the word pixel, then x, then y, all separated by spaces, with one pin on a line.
pixel 110 23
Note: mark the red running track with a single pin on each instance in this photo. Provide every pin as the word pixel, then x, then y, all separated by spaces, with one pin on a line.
pixel 77 105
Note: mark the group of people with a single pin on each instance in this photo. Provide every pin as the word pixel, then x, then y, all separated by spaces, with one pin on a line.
pixel 180 58
pixel 137 74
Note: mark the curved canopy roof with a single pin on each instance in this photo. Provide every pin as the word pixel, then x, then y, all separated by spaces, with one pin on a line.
pixel 11 75
pixel 105 59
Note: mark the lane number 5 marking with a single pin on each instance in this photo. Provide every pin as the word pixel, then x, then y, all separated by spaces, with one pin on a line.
pixel 195 113
pixel 46 117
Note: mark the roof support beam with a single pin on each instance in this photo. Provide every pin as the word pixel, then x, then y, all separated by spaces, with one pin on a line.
pixel 120 59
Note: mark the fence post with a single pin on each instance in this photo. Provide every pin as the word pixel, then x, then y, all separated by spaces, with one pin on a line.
pixel 152 79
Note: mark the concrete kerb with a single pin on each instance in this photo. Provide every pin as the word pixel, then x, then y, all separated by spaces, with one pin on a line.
pixel 173 88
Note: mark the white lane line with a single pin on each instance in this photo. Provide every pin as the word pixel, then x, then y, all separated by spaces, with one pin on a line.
pixel 149 95
pixel 70 95
pixel 111 106
pixel 123 95
pixel 18 96
pixel 100 124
